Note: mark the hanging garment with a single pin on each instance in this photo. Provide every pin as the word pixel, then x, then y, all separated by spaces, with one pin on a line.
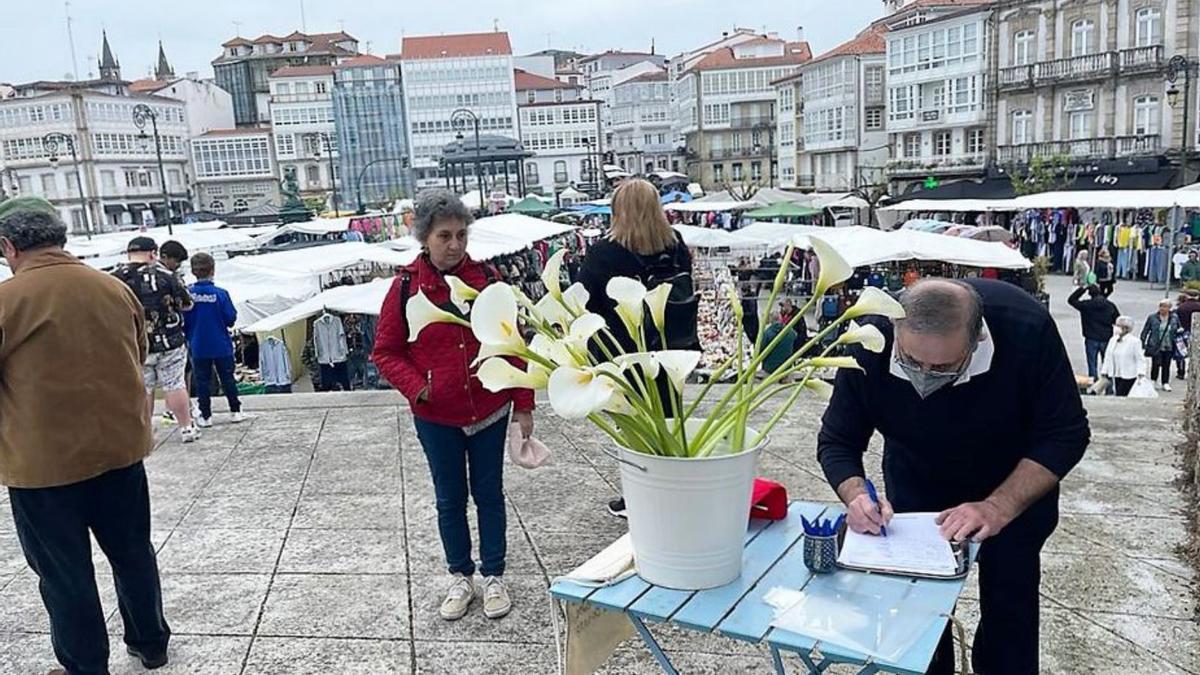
pixel 329 340
pixel 275 363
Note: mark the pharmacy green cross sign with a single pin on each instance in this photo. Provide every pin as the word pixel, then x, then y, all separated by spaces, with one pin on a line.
pixel 931 183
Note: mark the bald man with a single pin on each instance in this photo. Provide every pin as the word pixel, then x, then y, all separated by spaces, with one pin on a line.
pixel 981 418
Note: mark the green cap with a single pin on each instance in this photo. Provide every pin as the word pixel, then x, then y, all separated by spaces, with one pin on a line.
pixel 18 205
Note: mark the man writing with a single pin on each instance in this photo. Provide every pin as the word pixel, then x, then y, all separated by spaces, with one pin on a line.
pixel 1097 315
pixel 73 433
pixel 981 418
pixel 164 298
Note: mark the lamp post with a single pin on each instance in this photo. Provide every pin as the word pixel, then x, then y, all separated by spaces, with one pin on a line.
pixel 458 119
pixel 362 208
pixel 1176 66
pixel 141 113
pixel 327 143
pixel 50 142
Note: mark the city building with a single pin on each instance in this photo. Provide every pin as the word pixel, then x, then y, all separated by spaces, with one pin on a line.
pixel 725 110
pixel 842 123
pixel 117 163
pixel 562 130
pixel 206 105
pixel 469 75
pixel 1085 82
pixel 938 65
pixel 303 121
pixel 371 117
pixel 235 170
pixel 789 121
pixel 244 67
pixel 640 123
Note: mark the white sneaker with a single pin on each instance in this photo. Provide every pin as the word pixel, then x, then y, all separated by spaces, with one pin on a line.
pixel 203 422
pixel 458 598
pixel 190 434
pixel 238 417
pixel 1167 387
pixel 496 603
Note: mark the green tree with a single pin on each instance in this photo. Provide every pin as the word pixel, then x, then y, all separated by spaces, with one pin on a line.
pixel 1044 173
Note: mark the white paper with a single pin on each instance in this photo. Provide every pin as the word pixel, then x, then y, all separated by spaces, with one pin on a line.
pixel 913 544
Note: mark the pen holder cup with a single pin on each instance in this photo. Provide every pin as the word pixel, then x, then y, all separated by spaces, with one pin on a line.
pixel 820 553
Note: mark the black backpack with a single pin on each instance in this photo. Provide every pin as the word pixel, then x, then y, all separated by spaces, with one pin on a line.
pixel 683 303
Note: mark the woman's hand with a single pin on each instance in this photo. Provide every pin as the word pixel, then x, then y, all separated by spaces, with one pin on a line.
pixel 525 419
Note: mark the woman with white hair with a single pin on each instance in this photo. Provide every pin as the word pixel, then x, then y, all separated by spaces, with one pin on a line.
pixel 1158 338
pixel 1124 362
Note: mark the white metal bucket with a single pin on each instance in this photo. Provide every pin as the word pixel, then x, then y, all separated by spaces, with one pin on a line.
pixel 688 517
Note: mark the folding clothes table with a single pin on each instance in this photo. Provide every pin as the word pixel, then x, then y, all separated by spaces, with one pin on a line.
pixel 774 558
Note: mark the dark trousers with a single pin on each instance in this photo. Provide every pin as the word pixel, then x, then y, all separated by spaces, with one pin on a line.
pixel 204 369
pixel 1160 366
pixel 1123 385
pixel 474 465
pixel 336 375
pixel 53 524
pixel 1095 355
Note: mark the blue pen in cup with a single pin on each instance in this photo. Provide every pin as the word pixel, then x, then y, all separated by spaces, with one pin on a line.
pixel 875 500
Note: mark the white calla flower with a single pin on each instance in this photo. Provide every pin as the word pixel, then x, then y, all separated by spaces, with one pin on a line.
pixel 555 351
pixel 552 274
pixel 461 294
pixel 583 328
pixel 644 360
pixel 498 374
pixel 576 298
pixel 834 268
pixel 421 312
pixel 552 311
pixel 820 388
pixel 833 362
pixel 494 320
pixel 629 295
pixel 619 404
pixel 576 393
pixel 866 335
pixel 678 364
pixel 656 300
pixel 875 301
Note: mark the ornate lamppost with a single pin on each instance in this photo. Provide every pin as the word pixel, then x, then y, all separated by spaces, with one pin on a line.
pixel 50 142
pixel 141 113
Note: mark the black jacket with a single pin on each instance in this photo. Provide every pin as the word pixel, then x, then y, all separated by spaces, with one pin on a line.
pixel 1096 314
pixel 959 444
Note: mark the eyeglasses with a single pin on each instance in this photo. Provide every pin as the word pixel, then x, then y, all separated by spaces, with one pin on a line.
pixel 955 367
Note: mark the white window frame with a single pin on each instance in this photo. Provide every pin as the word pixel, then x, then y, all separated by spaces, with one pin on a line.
pixel 1083 36
pixel 1147 115
pixel 1148 27
pixel 1079 125
pixel 1022 127
pixel 943 143
pixel 1023 47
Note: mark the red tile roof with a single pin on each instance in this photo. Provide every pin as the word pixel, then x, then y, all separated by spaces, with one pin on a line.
pixel 302 71
pixel 266 38
pixel 524 81
pixel 795 53
pixel 652 76
pixel 236 41
pixel 360 61
pixel 147 85
pixel 869 41
pixel 449 46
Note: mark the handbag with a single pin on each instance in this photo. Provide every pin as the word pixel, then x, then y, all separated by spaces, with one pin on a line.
pixel 1143 388
pixel 527 453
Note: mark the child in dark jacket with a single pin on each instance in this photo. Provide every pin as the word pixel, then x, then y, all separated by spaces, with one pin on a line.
pixel 207 325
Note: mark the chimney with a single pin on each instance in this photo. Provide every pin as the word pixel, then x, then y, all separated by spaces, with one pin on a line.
pixel 799 33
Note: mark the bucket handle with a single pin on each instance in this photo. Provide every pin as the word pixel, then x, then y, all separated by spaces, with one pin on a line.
pixel 622 460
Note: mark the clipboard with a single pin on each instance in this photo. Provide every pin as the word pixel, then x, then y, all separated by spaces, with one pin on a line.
pixel 961 550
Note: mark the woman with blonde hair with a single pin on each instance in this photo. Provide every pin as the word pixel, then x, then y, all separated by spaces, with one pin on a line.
pixel 642 245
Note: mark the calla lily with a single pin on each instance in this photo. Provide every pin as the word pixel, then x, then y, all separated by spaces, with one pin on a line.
pixel 875 301
pixel 866 335
pixel 421 312
pixel 820 388
pixel 460 293
pixel 619 404
pixel 736 303
pixel 552 311
pixel 645 360
pixel 494 320
pixel 678 364
pixel 656 300
pixel 498 374
pixel 629 295
pixel 576 298
pixel 552 274
pixel 576 393
pixel 833 362
pixel 583 328
pixel 834 268
pixel 554 351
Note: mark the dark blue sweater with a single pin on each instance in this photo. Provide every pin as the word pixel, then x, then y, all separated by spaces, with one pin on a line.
pixel 209 320
pixel 960 443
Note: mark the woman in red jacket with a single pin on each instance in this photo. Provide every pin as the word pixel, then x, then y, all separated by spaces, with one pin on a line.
pixel 461 425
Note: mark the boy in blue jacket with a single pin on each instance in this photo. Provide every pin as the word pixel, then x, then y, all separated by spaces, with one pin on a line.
pixel 207 324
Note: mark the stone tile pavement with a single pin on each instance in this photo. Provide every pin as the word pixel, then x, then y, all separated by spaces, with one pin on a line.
pixel 305 542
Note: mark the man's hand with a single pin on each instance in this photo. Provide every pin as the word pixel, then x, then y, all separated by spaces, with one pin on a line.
pixel 525 419
pixel 977 520
pixel 864 517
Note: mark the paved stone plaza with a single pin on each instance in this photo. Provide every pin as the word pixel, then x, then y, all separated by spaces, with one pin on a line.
pixel 304 542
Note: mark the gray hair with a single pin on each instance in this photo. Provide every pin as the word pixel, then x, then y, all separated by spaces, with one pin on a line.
pixel 29 230
pixel 1125 323
pixel 437 204
pixel 942 307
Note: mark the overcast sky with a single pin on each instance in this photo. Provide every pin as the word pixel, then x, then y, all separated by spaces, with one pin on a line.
pixel 33 34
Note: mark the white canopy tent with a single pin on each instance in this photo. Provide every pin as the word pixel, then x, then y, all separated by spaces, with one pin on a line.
pixel 210 237
pixel 361 299
pixel 866 246
pixel 318 260
pixel 698 205
pixel 707 237
pixel 316 226
pixel 494 236
pixel 953 205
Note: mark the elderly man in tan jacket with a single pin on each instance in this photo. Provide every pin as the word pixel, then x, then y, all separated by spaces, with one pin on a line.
pixel 73 432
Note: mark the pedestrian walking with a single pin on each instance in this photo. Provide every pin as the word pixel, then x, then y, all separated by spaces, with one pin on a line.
pixel 1106 272
pixel 1190 270
pixel 1158 342
pixel 1187 305
pixel 207 325
pixel 461 426
pixel 74 430
pixel 1081 272
pixel 1097 315
pixel 1124 362
pixel 164 298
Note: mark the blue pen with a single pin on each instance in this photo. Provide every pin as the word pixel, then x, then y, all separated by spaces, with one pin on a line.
pixel 875 500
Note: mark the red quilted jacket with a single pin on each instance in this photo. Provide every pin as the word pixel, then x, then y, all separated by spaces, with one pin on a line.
pixel 441 357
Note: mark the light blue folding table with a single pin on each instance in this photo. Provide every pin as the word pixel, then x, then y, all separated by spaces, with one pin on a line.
pixel 774 558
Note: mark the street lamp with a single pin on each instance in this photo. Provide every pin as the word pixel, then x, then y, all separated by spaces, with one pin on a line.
pixel 1176 66
pixel 50 142
pixel 458 120
pixel 327 141
pixel 141 113
pixel 362 208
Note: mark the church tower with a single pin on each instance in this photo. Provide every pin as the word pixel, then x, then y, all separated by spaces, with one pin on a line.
pixel 110 68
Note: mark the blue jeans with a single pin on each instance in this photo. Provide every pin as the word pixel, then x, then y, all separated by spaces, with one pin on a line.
pixel 53 525
pixel 460 464
pixel 203 376
pixel 1095 352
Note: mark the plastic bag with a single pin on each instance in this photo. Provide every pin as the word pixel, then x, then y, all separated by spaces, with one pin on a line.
pixel 1143 388
pixel 528 453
